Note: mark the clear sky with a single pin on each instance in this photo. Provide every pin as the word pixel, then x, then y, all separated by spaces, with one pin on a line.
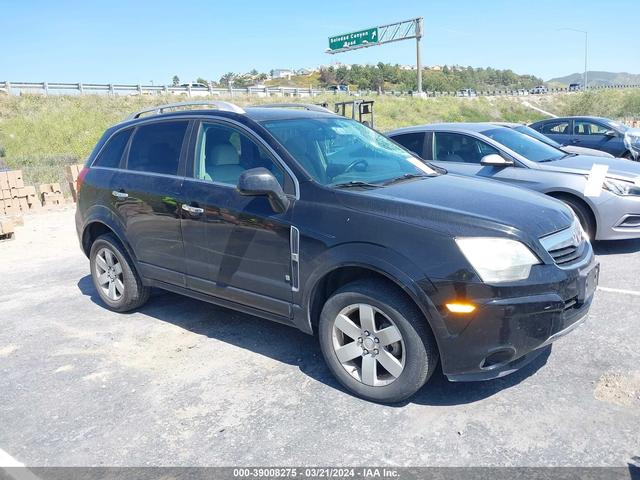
pixel 140 41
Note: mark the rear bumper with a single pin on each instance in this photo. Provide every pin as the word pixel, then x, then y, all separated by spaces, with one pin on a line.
pixel 513 326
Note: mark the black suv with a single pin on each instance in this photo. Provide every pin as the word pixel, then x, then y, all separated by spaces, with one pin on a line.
pixel 309 219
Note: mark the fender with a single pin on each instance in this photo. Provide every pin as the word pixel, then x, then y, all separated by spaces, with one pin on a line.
pixel 101 214
pixel 389 263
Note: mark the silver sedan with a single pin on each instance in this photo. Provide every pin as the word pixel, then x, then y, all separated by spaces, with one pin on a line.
pixel 603 192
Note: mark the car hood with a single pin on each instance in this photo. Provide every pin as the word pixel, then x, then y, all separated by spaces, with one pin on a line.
pixel 585 151
pixel 460 206
pixel 582 164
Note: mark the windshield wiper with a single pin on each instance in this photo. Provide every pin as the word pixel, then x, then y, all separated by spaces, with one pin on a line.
pixel 356 183
pixel 566 155
pixel 406 176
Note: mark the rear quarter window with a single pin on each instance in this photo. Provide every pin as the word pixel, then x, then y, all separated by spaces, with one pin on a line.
pixel 111 154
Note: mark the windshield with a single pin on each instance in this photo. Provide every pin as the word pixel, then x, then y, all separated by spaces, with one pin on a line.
pixel 341 151
pixel 528 147
pixel 537 135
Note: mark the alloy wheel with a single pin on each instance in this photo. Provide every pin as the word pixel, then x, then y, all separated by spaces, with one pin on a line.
pixel 109 274
pixel 368 345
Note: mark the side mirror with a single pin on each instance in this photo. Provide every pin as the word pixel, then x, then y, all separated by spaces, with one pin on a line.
pixel 261 182
pixel 495 160
pixel 611 133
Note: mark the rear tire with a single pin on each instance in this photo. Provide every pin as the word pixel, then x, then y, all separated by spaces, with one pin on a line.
pixel 376 342
pixel 114 276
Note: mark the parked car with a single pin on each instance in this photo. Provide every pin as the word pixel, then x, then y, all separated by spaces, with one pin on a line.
pixel 593 132
pixel 466 92
pixel 488 151
pixel 197 90
pixel 539 90
pixel 518 127
pixel 574 87
pixel 316 221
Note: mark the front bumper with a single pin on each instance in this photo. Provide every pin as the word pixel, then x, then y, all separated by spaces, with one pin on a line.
pixel 618 218
pixel 512 324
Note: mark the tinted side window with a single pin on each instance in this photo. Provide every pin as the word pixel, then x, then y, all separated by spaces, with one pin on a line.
pixel 412 141
pixel 456 147
pixel 588 128
pixel 223 153
pixel 558 128
pixel 111 153
pixel 156 147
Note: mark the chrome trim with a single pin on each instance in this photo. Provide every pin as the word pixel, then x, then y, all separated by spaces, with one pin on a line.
pixel 118 194
pixel 569 237
pixel 572 236
pixel 567 330
pixel 294 245
pixel 192 210
pixel 223 106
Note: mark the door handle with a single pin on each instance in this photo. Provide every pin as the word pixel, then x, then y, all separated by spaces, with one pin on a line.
pixel 118 194
pixel 192 210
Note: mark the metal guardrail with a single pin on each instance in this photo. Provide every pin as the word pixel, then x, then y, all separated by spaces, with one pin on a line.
pixel 46 88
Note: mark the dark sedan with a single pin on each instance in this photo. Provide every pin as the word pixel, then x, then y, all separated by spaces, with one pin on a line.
pixel 593 132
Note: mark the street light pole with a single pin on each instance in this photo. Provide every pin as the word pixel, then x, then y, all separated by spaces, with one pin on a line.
pixel 586 36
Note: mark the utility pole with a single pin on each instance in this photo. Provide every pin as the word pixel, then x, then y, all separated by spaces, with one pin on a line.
pixel 419 24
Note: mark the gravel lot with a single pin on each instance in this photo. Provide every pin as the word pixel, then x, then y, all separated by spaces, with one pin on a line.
pixel 182 382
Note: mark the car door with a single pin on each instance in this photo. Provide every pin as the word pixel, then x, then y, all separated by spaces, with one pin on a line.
pixel 236 247
pixel 592 134
pixel 144 195
pixel 461 153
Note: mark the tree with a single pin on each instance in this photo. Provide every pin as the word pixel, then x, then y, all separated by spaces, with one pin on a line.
pixel 175 81
pixel 202 81
pixel 227 79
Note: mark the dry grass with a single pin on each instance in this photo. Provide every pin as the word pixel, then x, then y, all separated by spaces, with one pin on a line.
pixel 41 134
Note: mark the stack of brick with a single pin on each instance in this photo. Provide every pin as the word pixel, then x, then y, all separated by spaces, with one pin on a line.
pixel 15 198
pixel 6 229
pixel 71 173
pixel 51 194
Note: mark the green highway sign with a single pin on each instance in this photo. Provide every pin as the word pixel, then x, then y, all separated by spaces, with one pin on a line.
pixel 354 39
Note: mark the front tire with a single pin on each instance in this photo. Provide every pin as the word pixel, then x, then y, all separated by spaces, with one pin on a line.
pixel 376 341
pixel 114 277
pixel 584 215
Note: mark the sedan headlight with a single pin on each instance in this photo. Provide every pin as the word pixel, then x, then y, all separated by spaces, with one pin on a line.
pixel 632 139
pixel 620 187
pixel 498 259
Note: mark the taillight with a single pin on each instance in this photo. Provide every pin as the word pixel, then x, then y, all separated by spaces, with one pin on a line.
pixel 80 179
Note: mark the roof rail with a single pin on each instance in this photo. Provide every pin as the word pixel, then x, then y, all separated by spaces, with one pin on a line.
pixel 307 106
pixel 223 106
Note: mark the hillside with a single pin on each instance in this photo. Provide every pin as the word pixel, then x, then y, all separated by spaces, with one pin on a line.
pixel 42 134
pixel 596 78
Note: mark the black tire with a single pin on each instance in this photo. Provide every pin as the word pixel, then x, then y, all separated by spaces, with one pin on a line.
pixel 584 215
pixel 135 294
pixel 421 351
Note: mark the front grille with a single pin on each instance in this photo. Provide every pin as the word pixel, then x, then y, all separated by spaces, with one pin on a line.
pixel 567 246
pixel 567 255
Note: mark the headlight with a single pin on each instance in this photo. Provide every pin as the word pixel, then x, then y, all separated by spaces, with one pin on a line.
pixel 631 140
pixel 498 259
pixel 620 187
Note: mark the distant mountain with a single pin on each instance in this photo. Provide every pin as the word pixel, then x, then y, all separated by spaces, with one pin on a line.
pixel 600 78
